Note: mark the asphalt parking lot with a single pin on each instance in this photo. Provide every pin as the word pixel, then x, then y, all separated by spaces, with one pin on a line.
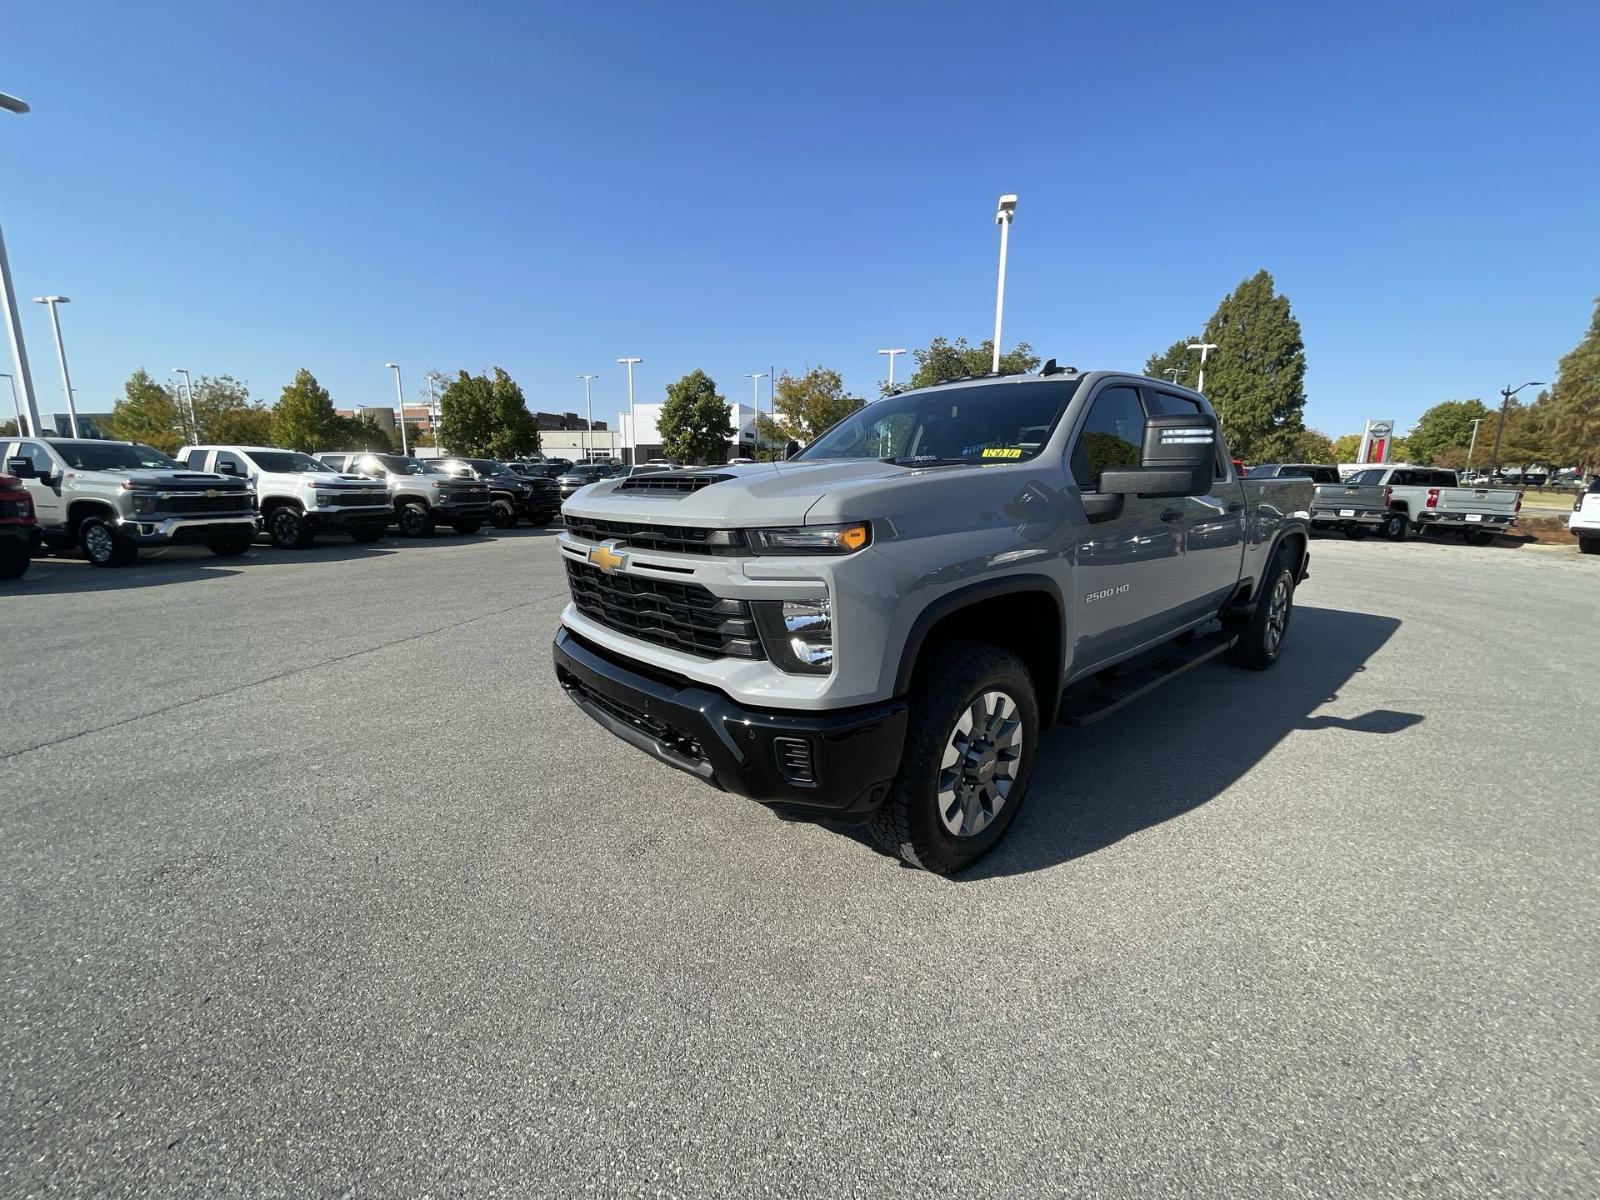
pixel 316 886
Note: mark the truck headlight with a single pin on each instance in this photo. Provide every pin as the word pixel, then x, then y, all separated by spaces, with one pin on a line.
pixel 144 503
pixel 811 539
pixel 325 498
pixel 797 634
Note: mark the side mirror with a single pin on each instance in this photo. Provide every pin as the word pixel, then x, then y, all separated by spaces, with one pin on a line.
pixel 791 449
pixel 22 467
pixel 1179 456
pixel 227 468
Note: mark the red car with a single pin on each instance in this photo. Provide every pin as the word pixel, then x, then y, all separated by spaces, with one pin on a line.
pixel 19 532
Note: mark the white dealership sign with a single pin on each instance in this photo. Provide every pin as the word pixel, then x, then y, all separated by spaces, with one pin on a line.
pixel 1376 442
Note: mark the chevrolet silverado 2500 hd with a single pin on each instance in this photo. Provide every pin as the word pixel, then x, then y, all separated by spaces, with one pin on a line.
pixel 880 627
pixel 298 496
pixel 110 498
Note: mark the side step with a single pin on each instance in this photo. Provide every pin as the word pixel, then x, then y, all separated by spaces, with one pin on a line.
pixel 1113 690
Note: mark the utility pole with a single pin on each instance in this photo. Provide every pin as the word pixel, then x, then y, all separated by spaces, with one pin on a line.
pixel 890 354
pixel 1002 217
pixel 633 419
pixel 1474 444
pixel 1505 403
pixel 400 396
pixel 1205 349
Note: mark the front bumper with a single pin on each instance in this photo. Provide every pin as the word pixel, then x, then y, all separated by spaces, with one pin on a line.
pixel 345 519
pixel 851 755
pixel 473 510
pixel 20 536
pixel 188 529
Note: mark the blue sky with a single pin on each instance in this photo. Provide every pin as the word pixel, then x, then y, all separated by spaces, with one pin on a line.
pixel 254 188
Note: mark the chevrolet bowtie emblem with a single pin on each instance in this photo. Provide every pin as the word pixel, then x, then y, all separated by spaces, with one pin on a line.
pixel 211 492
pixel 605 557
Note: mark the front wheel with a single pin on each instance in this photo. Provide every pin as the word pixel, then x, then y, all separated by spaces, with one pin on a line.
pixel 416 521
pixel 1261 637
pixel 14 562
pixel 970 739
pixel 502 515
pixel 231 547
pixel 1396 525
pixel 288 529
pixel 471 526
pixel 101 545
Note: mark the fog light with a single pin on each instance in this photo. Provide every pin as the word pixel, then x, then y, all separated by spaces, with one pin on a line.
pixel 797 634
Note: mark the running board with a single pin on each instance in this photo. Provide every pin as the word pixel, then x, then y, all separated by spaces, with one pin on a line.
pixel 1118 689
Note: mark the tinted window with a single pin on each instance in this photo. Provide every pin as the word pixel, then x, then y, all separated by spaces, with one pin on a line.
pixel 285 462
pixel 1444 479
pixel 233 461
pixel 1324 475
pixel 1165 404
pixel 1261 472
pixel 1112 436
pixel 1363 478
pixel 197 460
pixel 36 454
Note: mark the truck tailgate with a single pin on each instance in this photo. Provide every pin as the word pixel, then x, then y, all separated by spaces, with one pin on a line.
pixel 1467 502
pixel 1342 500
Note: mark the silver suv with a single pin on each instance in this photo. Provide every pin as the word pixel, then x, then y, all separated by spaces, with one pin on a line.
pixel 422 495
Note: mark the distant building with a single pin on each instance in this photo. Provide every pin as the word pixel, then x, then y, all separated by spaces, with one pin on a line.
pixel 603 443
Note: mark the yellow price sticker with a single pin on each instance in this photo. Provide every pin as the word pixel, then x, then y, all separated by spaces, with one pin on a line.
pixel 1002 452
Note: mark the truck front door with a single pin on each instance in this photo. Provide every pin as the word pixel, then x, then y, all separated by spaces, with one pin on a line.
pixel 47 503
pixel 1127 575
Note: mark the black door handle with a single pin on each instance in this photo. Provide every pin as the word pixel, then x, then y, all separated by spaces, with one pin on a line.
pixel 1172 514
pixel 1236 506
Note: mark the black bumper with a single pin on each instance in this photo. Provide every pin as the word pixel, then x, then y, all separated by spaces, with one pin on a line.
pixel 20 537
pixel 851 755
pixel 335 521
pixel 450 513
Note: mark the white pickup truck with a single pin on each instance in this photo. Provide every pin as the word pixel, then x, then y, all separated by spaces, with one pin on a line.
pixel 1397 500
pixel 1584 523
pixel 298 496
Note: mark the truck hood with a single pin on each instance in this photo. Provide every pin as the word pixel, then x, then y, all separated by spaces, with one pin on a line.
pixel 747 494
pixel 177 480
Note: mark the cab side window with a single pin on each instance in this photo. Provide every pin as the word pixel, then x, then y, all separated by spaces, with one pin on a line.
pixel 196 460
pixel 1111 437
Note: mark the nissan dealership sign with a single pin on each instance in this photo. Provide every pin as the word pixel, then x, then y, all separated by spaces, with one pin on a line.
pixel 1376 442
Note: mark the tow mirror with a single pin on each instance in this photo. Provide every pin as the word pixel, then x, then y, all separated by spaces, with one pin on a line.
pixel 1179 456
pixel 791 449
pixel 22 467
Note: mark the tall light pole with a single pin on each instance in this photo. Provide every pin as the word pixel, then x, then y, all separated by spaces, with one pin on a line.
pixel 1172 373
pixel 188 399
pixel 16 402
pixel 755 386
pixel 1002 217
pixel 633 420
pixel 400 397
pixel 50 302
pixel 1473 445
pixel 890 355
pixel 588 419
pixel 8 301
pixel 1205 349
pixel 1505 402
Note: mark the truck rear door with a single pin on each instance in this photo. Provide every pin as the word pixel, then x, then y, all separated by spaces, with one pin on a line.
pixel 1213 524
pixel 1127 576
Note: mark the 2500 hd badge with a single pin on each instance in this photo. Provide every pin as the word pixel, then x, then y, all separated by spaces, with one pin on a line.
pixel 880 628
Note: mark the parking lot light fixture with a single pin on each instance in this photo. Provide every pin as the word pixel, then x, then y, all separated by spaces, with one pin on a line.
pixel 8 303
pixel 1505 403
pixel 633 420
pixel 400 397
pixel 16 402
pixel 1205 349
pixel 588 416
pixel 188 399
pixel 890 355
pixel 51 302
pixel 1004 212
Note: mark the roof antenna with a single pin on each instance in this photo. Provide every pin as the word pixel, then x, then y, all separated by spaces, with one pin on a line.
pixel 1049 367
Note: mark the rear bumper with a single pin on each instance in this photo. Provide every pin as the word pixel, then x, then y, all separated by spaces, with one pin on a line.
pixel 1326 517
pixel 851 755
pixel 1450 520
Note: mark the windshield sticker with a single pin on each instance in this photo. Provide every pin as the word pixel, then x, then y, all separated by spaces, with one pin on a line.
pixel 1002 452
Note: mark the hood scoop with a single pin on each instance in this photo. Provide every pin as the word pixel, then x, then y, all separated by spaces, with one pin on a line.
pixel 670 482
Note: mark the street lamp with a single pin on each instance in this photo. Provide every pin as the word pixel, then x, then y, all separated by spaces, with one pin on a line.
pixel 1474 444
pixel 755 386
pixel 50 302
pixel 1002 217
pixel 1172 373
pixel 400 395
pixel 1205 349
pixel 633 419
pixel 188 398
pixel 8 300
pixel 588 419
pixel 16 402
pixel 1505 402
pixel 890 354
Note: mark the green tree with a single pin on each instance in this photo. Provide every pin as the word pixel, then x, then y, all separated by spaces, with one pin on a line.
pixel 303 419
pixel 1448 423
pixel 1346 448
pixel 1575 419
pixel 8 429
pixel 1451 458
pixel 1255 378
pixel 808 404
pixel 516 431
pixel 468 415
pixel 1176 357
pixel 224 412
pixel 941 361
pixel 694 421
pixel 356 433
pixel 1312 446
pixel 148 412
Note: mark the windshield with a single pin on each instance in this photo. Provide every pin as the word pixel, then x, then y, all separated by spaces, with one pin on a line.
pixel 401 465
pixel 114 456
pixel 1365 477
pixel 986 424
pixel 486 466
pixel 284 462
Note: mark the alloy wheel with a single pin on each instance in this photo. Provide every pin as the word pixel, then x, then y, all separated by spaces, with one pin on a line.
pixel 980 764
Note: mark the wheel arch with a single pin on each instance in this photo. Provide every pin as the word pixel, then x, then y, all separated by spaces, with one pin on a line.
pixel 80 509
pixel 1020 613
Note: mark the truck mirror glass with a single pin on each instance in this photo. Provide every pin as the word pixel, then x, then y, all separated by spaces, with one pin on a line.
pixel 22 467
pixel 791 449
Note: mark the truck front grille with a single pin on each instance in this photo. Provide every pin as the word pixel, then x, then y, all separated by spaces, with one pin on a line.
pixel 680 616
pixel 674 539
pixel 199 502
pixel 358 499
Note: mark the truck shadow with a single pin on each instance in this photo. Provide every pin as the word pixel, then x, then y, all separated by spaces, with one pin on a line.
pixel 1187 743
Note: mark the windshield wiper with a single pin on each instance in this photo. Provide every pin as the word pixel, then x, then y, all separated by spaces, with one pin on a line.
pixel 922 460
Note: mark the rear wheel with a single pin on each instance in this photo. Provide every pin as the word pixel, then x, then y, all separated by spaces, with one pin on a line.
pixel 502 515
pixel 1396 525
pixel 1354 532
pixel 288 528
pixel 970 741
pixel 1261 637
pixel 14 561
pixel 102 546
pixel 1589 545
pixel 416 520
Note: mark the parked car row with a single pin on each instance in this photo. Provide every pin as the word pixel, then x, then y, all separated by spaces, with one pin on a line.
pixel 109 498
pixel 1396 501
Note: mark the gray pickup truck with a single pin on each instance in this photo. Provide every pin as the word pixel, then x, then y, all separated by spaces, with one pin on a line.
pixel 110 498
pixel 422 494
pixel 879 628
pixel 1397 500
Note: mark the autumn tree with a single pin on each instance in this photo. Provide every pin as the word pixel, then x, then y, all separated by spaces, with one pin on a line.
pixel 694 422
pixel 941 361
pixel 1575 418
pixel 808 404
pixel 148 412
pixel 1448 423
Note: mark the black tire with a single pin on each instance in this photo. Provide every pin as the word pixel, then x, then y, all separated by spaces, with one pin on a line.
pixel 288 528
pixel 1354 532
pixel 540 520
pixel 416 520
pixel 14 562
pixel 502 515
pixel 1396 525
pixel 471 526
pixel 58 544
pixel 1589 545
pixel 367 535
pixel 950 680
pixel 231 547
pixel 1478 537
pixel 1262 636
pixel 98 539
